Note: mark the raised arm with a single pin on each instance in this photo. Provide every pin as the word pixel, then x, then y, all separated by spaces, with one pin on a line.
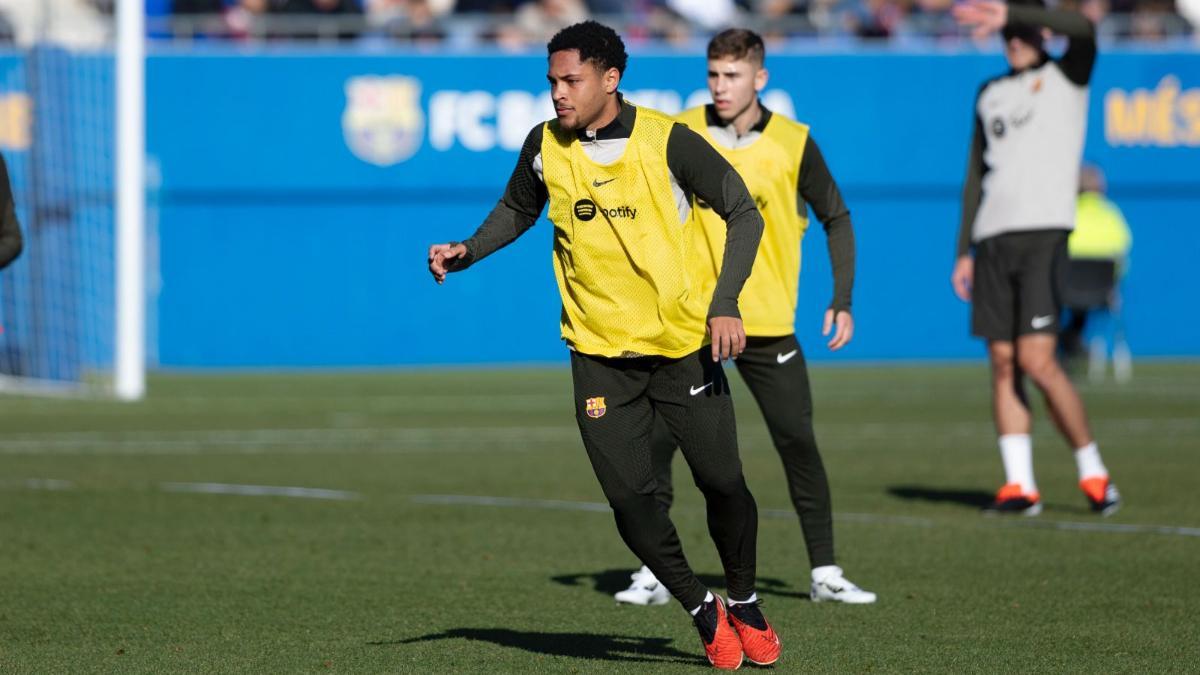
pixel 1079 58
pixel 988 16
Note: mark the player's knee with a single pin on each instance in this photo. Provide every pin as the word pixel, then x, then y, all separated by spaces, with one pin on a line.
pixel 1038 367
pixel 724 487
pixel 1001 350
pixel 629 503
pixel 795 438
pixel 1003 370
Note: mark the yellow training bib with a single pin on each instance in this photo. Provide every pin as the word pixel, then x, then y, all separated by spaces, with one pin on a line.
pixel 770 167
pixel 623 256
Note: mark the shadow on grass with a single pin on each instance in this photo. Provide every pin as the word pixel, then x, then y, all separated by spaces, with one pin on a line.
pixel 628 648
pixel 976 499
pixel 611 581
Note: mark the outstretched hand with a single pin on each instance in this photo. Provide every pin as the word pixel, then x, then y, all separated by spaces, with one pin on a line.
pixel 441 257
pixel 985 16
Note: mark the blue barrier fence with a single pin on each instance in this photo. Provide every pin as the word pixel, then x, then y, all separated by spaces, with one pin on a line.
pixel 299 191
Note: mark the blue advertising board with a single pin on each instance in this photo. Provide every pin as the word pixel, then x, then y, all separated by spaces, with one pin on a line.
pixel 299 191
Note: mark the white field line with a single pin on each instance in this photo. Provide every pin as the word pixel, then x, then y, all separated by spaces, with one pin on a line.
pixel 510 502
pixel 441 401
pixel 259 491
pixel 202 488
pixel 38 484
pixel 598 507
pixel 193 404
pixel 561 505
pixel 1117 528
pixel 868 518
pixel 466 439
pixel 49 388
pixel 283 441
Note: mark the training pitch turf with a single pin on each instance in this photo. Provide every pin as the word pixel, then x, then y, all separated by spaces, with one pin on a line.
pixel 449 522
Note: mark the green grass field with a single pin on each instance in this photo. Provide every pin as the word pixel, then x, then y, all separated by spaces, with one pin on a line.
pixel 110 562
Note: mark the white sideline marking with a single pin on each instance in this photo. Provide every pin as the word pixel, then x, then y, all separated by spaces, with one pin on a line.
pixel 1119 528
pixel 547 504
pixel 259 490
pixel 284 441
pixel 561 505
pixel 39 484
pixel 432 402
pixel 33 387
pixel 1143 385
pixel 870 518
pixel 598 507
pixel 407 440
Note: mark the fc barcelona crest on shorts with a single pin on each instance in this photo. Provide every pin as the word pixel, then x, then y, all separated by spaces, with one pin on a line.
pixel 595 407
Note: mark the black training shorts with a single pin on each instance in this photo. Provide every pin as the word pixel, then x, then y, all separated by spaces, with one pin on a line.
pixel 1018 282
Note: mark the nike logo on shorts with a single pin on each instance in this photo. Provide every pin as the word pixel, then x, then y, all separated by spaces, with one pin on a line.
pixel 697 390
pixel 784 358
pixel 1040 322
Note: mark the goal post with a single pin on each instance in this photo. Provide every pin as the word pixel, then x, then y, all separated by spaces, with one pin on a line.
pixel 129 382
pixel 72 132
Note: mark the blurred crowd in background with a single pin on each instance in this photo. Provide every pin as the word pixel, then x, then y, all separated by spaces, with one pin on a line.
pixel 520 24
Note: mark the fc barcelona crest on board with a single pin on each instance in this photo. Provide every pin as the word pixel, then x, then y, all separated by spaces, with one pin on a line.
pixel 595 407
pixel 383 122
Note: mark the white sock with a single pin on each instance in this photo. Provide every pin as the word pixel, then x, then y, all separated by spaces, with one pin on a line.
pixel 1087 459
pixel 708 597
pixel 1016 451
pixel 823 572
pixel 752 599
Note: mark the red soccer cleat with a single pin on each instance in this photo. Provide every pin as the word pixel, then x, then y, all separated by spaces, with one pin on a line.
pixel 721 642
pixel 1011 500
pixel 759 641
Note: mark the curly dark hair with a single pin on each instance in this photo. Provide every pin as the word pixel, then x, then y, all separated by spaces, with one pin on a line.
pixel 595 42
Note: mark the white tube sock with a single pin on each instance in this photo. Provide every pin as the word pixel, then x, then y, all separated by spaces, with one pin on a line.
pixel 1016 451
pixel 1088 460
pixel 752 599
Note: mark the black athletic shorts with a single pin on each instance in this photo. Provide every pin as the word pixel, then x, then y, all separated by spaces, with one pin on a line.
pixel 1018 283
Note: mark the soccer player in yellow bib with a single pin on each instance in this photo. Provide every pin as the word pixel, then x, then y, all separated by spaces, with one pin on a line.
pixel 784 169
pixel 619 179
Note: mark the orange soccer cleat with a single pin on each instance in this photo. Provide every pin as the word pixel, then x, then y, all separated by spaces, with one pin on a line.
pixel 721 642
pixel 759 641
pixel 1011 500
pixel 1101 494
